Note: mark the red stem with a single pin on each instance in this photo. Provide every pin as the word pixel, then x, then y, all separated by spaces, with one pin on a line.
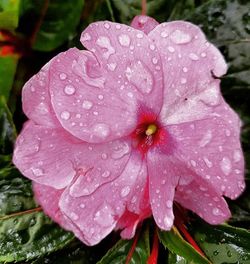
pixel 39 22
pixel 189 238
pixel 144 7
pixel 152 259
pixel 132 249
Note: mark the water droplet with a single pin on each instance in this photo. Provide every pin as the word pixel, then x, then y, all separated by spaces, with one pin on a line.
pixel 237 155
pixel 193 56
pixel 139 35
pixel 125 191
pixel 87 104
pixel 180 37
pixel 216 211
pixel 104 156
pixel 164 34
pixel 184 69
pixel 105 43
pixel 82 205
pixel 106 25
pixel 152 46
pixel 193 163
pixel 69 89
pixel 112 66
pixel 183 80
pixel 171 49
pixel 100 97
pixel 203 54
pixel 168 221
pixel 206 138
pixel 226 165
pixel 216 252
pixel 208 162
pixel 124 40
pixel 37 171
pixel 139 75
pixel 63 76
pixel 106 174
pixel 154 60
pixel 104 216
pixel 74 216
pixel 85 37
pixel 121 150
pixel 65 115
pixel 169 204
pixel 101 130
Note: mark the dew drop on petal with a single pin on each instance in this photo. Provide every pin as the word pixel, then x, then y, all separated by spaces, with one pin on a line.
pixel 124 40
pixel 171 49
pixel 168 221
pixel 125 191
pixel 69 89
pixel 87 104
pixel 237 155
pixel 74 216
pixel 180 37
pixel 37 172
pixel 121 150
pixel 63 76
pixel 169 204
pixel 106 174
pixel 65 115
pixel 193 56
pixel 101 130
pixel 104 216
pixel 226 165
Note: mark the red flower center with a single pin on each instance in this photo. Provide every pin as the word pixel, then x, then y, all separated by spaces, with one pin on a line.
pixel 148 133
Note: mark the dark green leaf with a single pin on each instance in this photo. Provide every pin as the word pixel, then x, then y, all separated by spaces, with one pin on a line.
pixel 8 66
pixel 30 235
pixel 176 259
pixel 176 244
pixel 59 24
pixel 119 252
pixel 15 192
pixel 7 128
pixel 9 12
pixel 223 244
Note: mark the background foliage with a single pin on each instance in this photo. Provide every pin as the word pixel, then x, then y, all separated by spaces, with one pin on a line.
pixel 32 32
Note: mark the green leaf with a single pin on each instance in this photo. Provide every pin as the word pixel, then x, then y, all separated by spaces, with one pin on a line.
pixel 29 235
pixel 15 192
pixel 7 128
pixel 176 259
pixel 59 24
pixel 8 66
pixel 176 244
pixel 118 253
pixel 224 243
pixel 9 13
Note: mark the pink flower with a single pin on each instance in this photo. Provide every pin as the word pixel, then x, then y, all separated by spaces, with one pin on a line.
pixel 121 130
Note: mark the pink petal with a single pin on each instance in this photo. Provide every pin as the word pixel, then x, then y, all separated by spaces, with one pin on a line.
pixel 199 196
pixel 48 198
pixel 189 61
pixel 97 214
pixel 164 173
pixel 212 149
pixel 144 23
pixel 53 157
pixel 36 99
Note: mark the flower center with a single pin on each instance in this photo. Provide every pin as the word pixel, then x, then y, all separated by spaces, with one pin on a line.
pixel 148 132
pixel 151 129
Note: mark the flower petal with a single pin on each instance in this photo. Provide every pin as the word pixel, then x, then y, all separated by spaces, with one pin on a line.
pixel 48 198
pixel 96 215
pixel 212 149
pixel 144 23
pixel 198 196
pixel 189 62
pixel 36 99
pixel 164 173
pixel 53 157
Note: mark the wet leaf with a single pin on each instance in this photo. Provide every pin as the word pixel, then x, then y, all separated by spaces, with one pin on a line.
pixel 176 244
pixel 30 235
pixel 7 128
pixel 15 192
pixel 9 13
pixel 224 243
pixel 59 23
pixel 119 252
pixel 8 64
pixel 176 259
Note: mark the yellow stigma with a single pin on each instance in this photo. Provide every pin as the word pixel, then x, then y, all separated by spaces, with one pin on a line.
pixel 151 129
